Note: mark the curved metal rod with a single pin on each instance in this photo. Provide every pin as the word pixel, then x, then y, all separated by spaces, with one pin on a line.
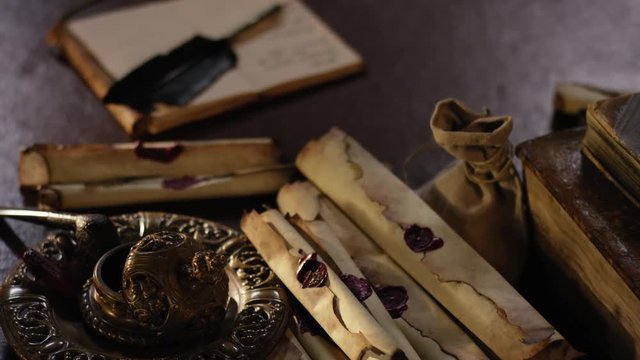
pixel 41 217
pixel 13 241
pixel 93 228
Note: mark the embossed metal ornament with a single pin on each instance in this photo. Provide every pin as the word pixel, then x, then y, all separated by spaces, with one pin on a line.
pixel 173 286
pixel 166 288
pixel 38 326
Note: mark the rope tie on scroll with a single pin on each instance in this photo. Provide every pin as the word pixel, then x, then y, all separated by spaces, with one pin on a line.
pixel 494 169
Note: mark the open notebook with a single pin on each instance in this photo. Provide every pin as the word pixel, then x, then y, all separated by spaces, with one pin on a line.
pixel 291 51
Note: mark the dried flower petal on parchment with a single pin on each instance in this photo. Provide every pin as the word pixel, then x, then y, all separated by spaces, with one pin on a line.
pixel 159 154
pixel 394 299
pixel 421 239
pixel 179 183
pixel 359 287
pixel 311 272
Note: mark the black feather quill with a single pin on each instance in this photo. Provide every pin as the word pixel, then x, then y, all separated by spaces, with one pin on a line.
pixel 179 76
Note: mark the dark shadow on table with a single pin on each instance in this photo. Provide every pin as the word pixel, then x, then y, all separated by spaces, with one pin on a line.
pixel 8 354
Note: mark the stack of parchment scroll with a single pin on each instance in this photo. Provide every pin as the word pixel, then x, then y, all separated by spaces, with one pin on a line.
pixel 382 274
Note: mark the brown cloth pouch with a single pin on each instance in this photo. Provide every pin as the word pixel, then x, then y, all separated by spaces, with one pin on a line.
pixel 480 196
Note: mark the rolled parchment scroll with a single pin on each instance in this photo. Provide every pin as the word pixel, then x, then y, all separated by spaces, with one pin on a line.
pixel 99 175
pixel 44 164
pixel 246 182
pixel 418 240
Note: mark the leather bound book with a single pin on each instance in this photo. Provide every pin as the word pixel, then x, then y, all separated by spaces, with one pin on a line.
pixel 291 50
pixel 570 102
pixel 612 141
pixel 586 235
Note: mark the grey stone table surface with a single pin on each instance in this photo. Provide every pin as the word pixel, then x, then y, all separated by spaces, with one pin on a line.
pixel 504 55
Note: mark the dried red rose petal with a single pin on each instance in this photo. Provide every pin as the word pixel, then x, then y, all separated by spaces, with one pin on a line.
pixel 396 313
pixel 394 299
pixel 437 243
pixel 420 239
pixel 163 155
pixel 359 287
pixel 179 183
pixel 311 272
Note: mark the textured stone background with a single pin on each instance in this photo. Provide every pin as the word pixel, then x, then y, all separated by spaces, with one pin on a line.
pixel 505 55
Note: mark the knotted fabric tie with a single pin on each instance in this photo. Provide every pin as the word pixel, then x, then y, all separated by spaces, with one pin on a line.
pixel 496 168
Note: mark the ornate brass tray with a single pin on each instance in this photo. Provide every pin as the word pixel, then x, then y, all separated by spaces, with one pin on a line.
pixel 39 325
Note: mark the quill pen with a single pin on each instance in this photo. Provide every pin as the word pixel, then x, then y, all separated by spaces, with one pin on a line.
pixel 177 77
